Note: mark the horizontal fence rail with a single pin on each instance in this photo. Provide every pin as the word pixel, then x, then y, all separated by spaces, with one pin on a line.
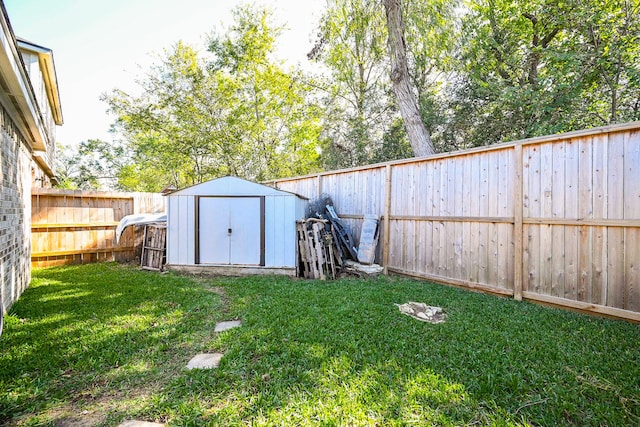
pixel 79 226
pixel 553 219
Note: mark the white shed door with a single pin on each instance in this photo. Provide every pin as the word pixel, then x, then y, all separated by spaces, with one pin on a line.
pixel 230 230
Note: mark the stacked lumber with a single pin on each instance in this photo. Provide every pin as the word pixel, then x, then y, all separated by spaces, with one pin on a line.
pixel 316 249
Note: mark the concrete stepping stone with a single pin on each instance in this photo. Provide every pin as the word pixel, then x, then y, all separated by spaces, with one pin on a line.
pixel 223 326
pixel 205 361
pixel 135 423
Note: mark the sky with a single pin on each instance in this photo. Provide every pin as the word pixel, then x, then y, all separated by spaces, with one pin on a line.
pixel 102 45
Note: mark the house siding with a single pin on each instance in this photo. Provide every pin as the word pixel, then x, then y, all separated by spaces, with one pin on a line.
pixel 34 71
pixel 29 111
pixel 15 212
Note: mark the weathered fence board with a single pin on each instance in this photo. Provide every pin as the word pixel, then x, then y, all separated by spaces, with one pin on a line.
pixel 554 219
pixel 79 226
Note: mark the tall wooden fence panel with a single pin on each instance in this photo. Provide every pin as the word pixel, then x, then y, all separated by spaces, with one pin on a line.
pixel 79 226
pixel 452 219
pixel 552 219
pixel 581 220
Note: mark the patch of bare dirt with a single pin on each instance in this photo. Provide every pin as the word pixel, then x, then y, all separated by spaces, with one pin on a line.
pixel 83 420
pixel 225 301
pixel 89 414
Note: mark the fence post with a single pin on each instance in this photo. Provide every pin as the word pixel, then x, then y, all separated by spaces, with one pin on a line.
pixel 517 225
pixel 387 220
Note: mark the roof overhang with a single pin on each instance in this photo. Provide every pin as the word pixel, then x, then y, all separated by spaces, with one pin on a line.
pixel 48 67
pixel 16 87
pixel 39 157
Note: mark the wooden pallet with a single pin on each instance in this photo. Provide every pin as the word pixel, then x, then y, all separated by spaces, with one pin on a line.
pixel 316 250
pixel 154 247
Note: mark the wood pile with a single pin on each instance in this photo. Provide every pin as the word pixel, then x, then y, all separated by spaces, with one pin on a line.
pixel 318 257
pixel 154 247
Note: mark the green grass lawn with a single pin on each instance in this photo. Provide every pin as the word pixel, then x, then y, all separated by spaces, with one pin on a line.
pixel 102 343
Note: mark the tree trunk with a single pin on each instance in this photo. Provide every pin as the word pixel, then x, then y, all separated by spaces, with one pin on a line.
pixel 416 130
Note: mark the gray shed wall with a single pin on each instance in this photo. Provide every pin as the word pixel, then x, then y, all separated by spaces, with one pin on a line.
pixel 281 212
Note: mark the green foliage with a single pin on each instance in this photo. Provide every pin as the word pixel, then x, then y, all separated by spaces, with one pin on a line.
pixel 431 44
pixel 611 30
pixel 356 101
pixel 93 165
pixel 113 341
pixel 361 111
pixel 484 71
pixel 538 67
pixel 239 113
pixel 395 144
pixel 66 167
pixel 271 112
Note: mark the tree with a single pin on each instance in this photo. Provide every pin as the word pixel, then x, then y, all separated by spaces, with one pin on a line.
pixel 416 130
pixel 537 67
pixel 432 31
pixel 171 126
pixel 270 110
pixel 238 113
pixel 611 30
pixel 356 92
pixel 93 165
pixel 504 93
pixel 66 167
pixel 361 109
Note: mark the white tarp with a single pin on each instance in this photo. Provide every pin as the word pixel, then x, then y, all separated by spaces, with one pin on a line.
pixel 422 312
pixel 138 219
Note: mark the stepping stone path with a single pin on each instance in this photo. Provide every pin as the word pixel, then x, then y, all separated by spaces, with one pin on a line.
pixel 223 326
pixel 209 360
pixel 205 361
pixel 134 423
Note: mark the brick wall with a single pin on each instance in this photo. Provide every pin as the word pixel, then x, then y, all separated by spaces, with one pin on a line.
pixel 15 212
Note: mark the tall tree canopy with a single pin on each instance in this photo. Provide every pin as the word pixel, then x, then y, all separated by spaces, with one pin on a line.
pixel 95 164
pixel 536 67
pixel 363 120
pixel 481 71
pixel 485 71
pixel 237 112
pixel 357 105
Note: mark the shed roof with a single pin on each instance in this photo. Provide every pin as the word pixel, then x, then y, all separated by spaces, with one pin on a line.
pixel 231 186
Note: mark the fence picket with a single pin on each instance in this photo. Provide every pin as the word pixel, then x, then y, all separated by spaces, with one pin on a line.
pixel 79 226
pixel 562 210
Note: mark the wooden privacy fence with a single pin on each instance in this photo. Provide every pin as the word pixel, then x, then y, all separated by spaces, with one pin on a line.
pixel 79 226
pixel 552 219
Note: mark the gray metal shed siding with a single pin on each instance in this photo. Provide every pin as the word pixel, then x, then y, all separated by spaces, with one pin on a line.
pixel 282 209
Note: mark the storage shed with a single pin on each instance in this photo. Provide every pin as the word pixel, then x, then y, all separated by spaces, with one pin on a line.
pixel 233 227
